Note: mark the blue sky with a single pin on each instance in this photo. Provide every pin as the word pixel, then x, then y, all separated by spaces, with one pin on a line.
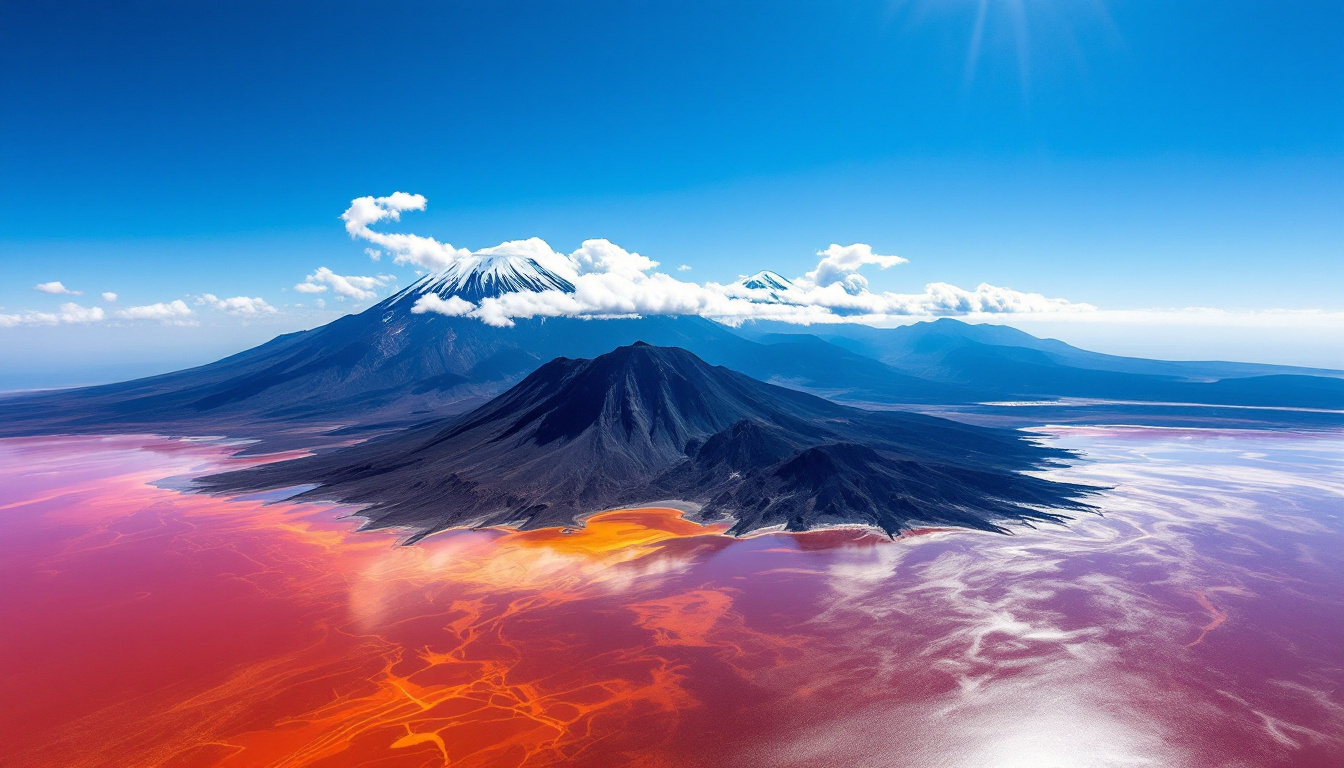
pixel 1138 157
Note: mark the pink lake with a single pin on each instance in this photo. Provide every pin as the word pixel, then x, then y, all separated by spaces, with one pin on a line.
pixel 1197 621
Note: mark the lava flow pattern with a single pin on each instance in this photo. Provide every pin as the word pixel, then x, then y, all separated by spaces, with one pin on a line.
pixel 146 626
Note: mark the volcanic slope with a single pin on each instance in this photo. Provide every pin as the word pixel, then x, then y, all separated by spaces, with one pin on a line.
pixel 643 424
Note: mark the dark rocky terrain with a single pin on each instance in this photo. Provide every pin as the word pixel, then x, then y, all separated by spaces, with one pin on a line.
pixel 644 424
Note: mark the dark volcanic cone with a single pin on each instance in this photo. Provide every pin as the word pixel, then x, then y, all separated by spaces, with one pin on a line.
pixel 643 424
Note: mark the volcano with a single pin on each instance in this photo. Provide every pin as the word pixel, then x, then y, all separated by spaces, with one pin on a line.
pixel 645 424
pixel 485 275
pixel 392 366
pixel 766 286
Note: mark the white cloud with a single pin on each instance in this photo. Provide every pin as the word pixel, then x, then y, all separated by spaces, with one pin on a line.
pixel 364 211
pixel 841 263
pixel 602 256
pixel 174 312
pixel 936 300
pixel 354 286
pixel 242 306
pixel 55 287
pixel 684 268
pixel 415 250
pixel 610 281
pixel 68 313
pixel 109 297
pixel 374 253
pixel 74 313
pixel 453 306
pixel 626 294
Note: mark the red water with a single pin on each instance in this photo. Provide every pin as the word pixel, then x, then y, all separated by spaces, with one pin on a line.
pixel 1199 623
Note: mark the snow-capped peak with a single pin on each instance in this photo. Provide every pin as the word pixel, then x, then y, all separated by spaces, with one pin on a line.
pixel 487 274
pixel 765 280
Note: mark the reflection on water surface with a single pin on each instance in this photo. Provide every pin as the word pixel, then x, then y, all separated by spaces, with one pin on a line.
pixel 1197 622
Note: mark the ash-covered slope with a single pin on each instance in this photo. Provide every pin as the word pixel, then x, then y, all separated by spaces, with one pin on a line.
pixel 643 424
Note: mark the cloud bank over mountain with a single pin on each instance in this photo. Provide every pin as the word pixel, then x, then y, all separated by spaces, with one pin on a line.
pixel 608 281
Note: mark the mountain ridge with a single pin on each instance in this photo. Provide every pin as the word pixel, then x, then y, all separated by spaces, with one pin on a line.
pixel 390 366
pixel 1004 363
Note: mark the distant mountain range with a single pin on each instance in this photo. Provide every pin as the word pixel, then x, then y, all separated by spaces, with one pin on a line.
pixel 644 424
pixel 388 367
pixel 1021 365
